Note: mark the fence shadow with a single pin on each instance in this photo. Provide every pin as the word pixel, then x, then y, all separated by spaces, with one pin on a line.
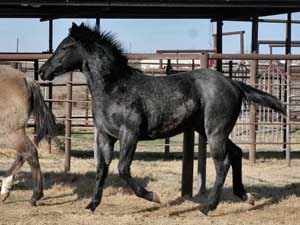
pixel 153 156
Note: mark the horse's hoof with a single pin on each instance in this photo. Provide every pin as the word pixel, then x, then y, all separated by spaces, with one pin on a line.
pixel 204 210
pixel 33 202
pixel 92 206
pixel 155 198
pixel 250 199
pixel 4 196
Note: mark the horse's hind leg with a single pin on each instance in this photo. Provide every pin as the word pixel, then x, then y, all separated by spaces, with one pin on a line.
pixel 235 156
pixel 222 164
pixel 10 174
pixel 104 157
pixel 128 143
pixel 31 156
pixel 28 151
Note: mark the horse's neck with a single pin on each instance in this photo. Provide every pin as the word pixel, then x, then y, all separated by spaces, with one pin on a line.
pixel 96 79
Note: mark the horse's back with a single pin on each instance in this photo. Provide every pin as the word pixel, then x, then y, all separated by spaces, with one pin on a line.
pixel 15 100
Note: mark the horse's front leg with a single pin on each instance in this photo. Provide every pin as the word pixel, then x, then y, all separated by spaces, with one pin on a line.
pixel 128 142
pixel 7 181
pixel 104 156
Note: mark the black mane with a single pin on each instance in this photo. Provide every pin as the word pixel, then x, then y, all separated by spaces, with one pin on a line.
pixel 91 38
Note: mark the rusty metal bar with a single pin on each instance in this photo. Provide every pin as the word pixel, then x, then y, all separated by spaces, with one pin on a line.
pixel 231 33
pixel 185 51
pixel 154 56
pixel 68 124
pixel 202 146
pixel 278 21
pixel 242 48
pixel 274 42
pixel 288 118
pixel 253 72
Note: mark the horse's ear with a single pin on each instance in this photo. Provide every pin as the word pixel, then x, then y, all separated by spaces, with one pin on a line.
pixel 81 25
pixel 74 26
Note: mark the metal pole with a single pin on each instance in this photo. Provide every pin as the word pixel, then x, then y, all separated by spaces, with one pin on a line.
pixel 188 163
pixel 286 121
pixel 167 140
pixel 50 87
pixel 242 48
pixel 252 113
pixel 68 123
pixel 219 43
pixel 98 23
pixel 202 150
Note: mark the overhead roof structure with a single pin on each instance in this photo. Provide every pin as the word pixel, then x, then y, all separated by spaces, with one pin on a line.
pixel 225 9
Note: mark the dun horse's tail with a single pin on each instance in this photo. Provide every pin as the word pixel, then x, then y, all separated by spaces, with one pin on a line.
pixel 254 95
pixel 44 118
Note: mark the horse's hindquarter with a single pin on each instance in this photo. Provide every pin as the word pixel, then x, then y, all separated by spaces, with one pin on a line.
pixel 15 101
pixel 221 101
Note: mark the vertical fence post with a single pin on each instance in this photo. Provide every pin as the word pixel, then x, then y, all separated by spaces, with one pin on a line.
pixel 252 116
pixel 68 123
pixel 50 87
pixel 168 72
pixel 201 177
pixel 253 73
pixel 188 163
pixel 219 42
pixel 288 112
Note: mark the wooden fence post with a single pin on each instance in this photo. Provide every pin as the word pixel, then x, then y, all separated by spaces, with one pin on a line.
pixel 68 123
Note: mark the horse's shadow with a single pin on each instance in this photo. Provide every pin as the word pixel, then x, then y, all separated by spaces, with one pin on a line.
pixel 82 184
pixel 272 195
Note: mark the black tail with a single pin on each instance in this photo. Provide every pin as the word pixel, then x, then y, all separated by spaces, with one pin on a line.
pixel 44 118
pixel 254 95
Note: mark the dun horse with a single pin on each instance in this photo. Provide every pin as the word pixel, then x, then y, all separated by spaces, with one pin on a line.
pixel 20 97
pixel 130 106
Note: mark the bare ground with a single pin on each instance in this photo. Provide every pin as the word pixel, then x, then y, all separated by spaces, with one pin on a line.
pixel 276 187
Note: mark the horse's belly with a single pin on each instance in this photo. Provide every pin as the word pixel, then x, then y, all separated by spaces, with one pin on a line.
pixel 168 125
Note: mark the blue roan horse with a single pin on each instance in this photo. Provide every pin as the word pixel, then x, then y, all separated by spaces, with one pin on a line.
pixel 130 106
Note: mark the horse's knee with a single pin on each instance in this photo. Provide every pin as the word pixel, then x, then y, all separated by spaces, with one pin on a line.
pixel 217 150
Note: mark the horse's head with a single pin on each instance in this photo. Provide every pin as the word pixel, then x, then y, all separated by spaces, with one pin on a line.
pixel 67 57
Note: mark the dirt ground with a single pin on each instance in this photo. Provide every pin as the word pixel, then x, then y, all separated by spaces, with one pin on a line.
pixel 276 187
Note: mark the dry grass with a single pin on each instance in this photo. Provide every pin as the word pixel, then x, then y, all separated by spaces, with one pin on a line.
pixel 277 189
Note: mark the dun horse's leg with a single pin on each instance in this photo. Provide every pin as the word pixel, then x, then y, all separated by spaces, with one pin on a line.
pixel 128 143
pixel 7 182
pixel 31 156
pixel 235 156
pixel 222 165
pixel 104 157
